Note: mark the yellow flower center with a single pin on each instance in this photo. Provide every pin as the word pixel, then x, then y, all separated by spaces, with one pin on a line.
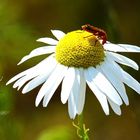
pixel 79 49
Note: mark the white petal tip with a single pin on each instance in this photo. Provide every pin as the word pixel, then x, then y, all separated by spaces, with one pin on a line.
pixel 36 104
pixel 45 105
pixel 19 63
pixel 7 83
pixel 137 67
pixel 39 40
pixel 18 89
pixel 127 102
pixel 15 86
pixel 107 113
pixel 52 30
pixel 58 34
pixel 37 101
pixel 56 31
pixel 119 114
pixel 63 100
pixel 23 92
pixel 72 117
pixel 47 40
pixel 22 60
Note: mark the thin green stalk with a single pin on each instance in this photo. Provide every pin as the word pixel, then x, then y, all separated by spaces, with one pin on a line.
pixel 82 132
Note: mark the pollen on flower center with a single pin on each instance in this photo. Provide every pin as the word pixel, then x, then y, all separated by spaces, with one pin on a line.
pixel 79 49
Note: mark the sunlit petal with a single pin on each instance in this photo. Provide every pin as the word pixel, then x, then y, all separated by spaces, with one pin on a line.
pixel 115 81
pixel 116 108
pixel 71 106
pixel 113 47
pixel 66 88
pixel 82 92
pixel 104 85
pixel 125 77
pixel 37 52
pixel 47 40
pixel 51 85
pixel 39 79
pixel 76 89
pixel 58 34
pixel 130 48
pixel 19 75
pixel 54 84
pixel 121 47
pixel 122 60
pixel 98 93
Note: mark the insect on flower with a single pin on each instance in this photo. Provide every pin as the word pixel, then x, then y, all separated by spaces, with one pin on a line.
pixel 76 67
pixel 101 34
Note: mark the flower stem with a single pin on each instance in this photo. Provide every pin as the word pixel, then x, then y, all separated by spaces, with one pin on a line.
pixel 81 129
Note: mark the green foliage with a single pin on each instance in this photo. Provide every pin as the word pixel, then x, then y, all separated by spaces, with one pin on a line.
pixel 10 128
pixel 6 101
pixel 56 133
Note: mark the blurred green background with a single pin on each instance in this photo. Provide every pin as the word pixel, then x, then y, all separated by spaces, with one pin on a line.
pixel 24 21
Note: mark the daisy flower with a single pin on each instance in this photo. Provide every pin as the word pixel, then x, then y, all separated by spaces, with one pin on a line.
pixel 77 59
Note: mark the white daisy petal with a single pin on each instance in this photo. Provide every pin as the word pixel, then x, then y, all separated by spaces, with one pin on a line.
pixel 82 92
pixel 130 48
pixel 39 68
pixel 52 85
pixel 50 60
pixel 19 75
pixel 125 77
pixel 72 106
pixel 73 100
pixel 67 84
pixel 129 80
pixel 98 93
pixel 104 85
pixel 74 93
pixel 120 47
pixel 34 83
pixel 76 88
pixel 31 74
pixel 48 40
pixel 116 108
pixel 122 60
pixel 37 52
pixel 58 34
pixel 113 47
pixel 19 83
pixel 115 81
pixel 112 66
pixel 40 79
